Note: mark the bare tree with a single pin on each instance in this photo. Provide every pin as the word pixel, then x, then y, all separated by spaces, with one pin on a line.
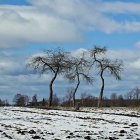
pixel 83 96
pixel 113 99
pixel 21 100
pixel 113 96
pixel 43 102
pixel 87 99
pixel 54 62
pixel 104 64
pixel 69 95
pixel 34 100
pixel 136 92
pixel 56 100
pixel 1 102
pixel 133 94
pixel 129 95
pixel 79 70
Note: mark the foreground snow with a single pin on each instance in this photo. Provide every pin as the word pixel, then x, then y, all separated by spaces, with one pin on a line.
pixel 27 124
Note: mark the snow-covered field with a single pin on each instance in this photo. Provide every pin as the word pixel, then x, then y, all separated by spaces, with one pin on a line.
pixel 90 123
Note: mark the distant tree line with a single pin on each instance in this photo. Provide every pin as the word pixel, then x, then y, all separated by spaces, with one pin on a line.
pixel 130 99
pixel 24 100
pixel 4 102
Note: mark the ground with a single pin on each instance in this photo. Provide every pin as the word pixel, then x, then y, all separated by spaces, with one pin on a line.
pixel 87 124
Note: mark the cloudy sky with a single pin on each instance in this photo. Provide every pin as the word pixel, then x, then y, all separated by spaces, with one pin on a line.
pixel 30 26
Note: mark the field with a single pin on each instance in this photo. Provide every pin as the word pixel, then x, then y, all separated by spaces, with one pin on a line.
pixel 87 124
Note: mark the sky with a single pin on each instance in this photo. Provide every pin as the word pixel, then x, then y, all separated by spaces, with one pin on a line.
pixel 30 26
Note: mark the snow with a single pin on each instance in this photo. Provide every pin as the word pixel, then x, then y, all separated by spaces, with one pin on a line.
pixel 89 123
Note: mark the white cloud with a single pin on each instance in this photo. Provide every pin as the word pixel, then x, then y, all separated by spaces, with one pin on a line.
pixel 136 64
pixel 20 28
pixel 131 26
pixel 79 52
pixel 92 15
pixel 120 7
pixel 137 44
pixel 8 66
pixel 62 20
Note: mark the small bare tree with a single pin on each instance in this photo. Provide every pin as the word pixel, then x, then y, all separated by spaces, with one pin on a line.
pixel 34 100
pixel 21 100
pixel 43 102
pixel 104 64
pixel 133 94
pixel 113 96
pixel 56 100
pixel 136 93
pixel 69 95
pixel 79 70
pixel 129 95
pixel 53 62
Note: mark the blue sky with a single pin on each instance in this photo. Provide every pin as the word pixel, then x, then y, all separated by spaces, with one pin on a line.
pixel 30 26
pixel 14 2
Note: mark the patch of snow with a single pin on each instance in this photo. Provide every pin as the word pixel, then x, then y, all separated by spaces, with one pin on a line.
pixel 89 123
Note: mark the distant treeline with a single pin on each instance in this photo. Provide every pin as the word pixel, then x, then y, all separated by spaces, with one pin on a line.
pixel 4 102
pixel 130 99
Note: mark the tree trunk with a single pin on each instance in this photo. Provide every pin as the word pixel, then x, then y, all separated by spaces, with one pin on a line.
pixel 100 100
pixel 76 90
pixel 51 88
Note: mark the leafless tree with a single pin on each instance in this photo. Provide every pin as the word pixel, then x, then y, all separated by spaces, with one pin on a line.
pixel 52 61
pixel 1 102
pixel 69 95
pixel 34 100
pixel 79 70
pixel 113 96
pixel 83 95
pixel 133 94
pixel 104 64
pixel 21 100
pixel 87 99
pixel 113 99
pixel 136 93
pixel 43 103
pixel 56 100
pixel 129 95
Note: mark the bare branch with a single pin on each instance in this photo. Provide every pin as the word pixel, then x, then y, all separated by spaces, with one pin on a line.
pixel 104 64
pixel 55 61
pixel 97 51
